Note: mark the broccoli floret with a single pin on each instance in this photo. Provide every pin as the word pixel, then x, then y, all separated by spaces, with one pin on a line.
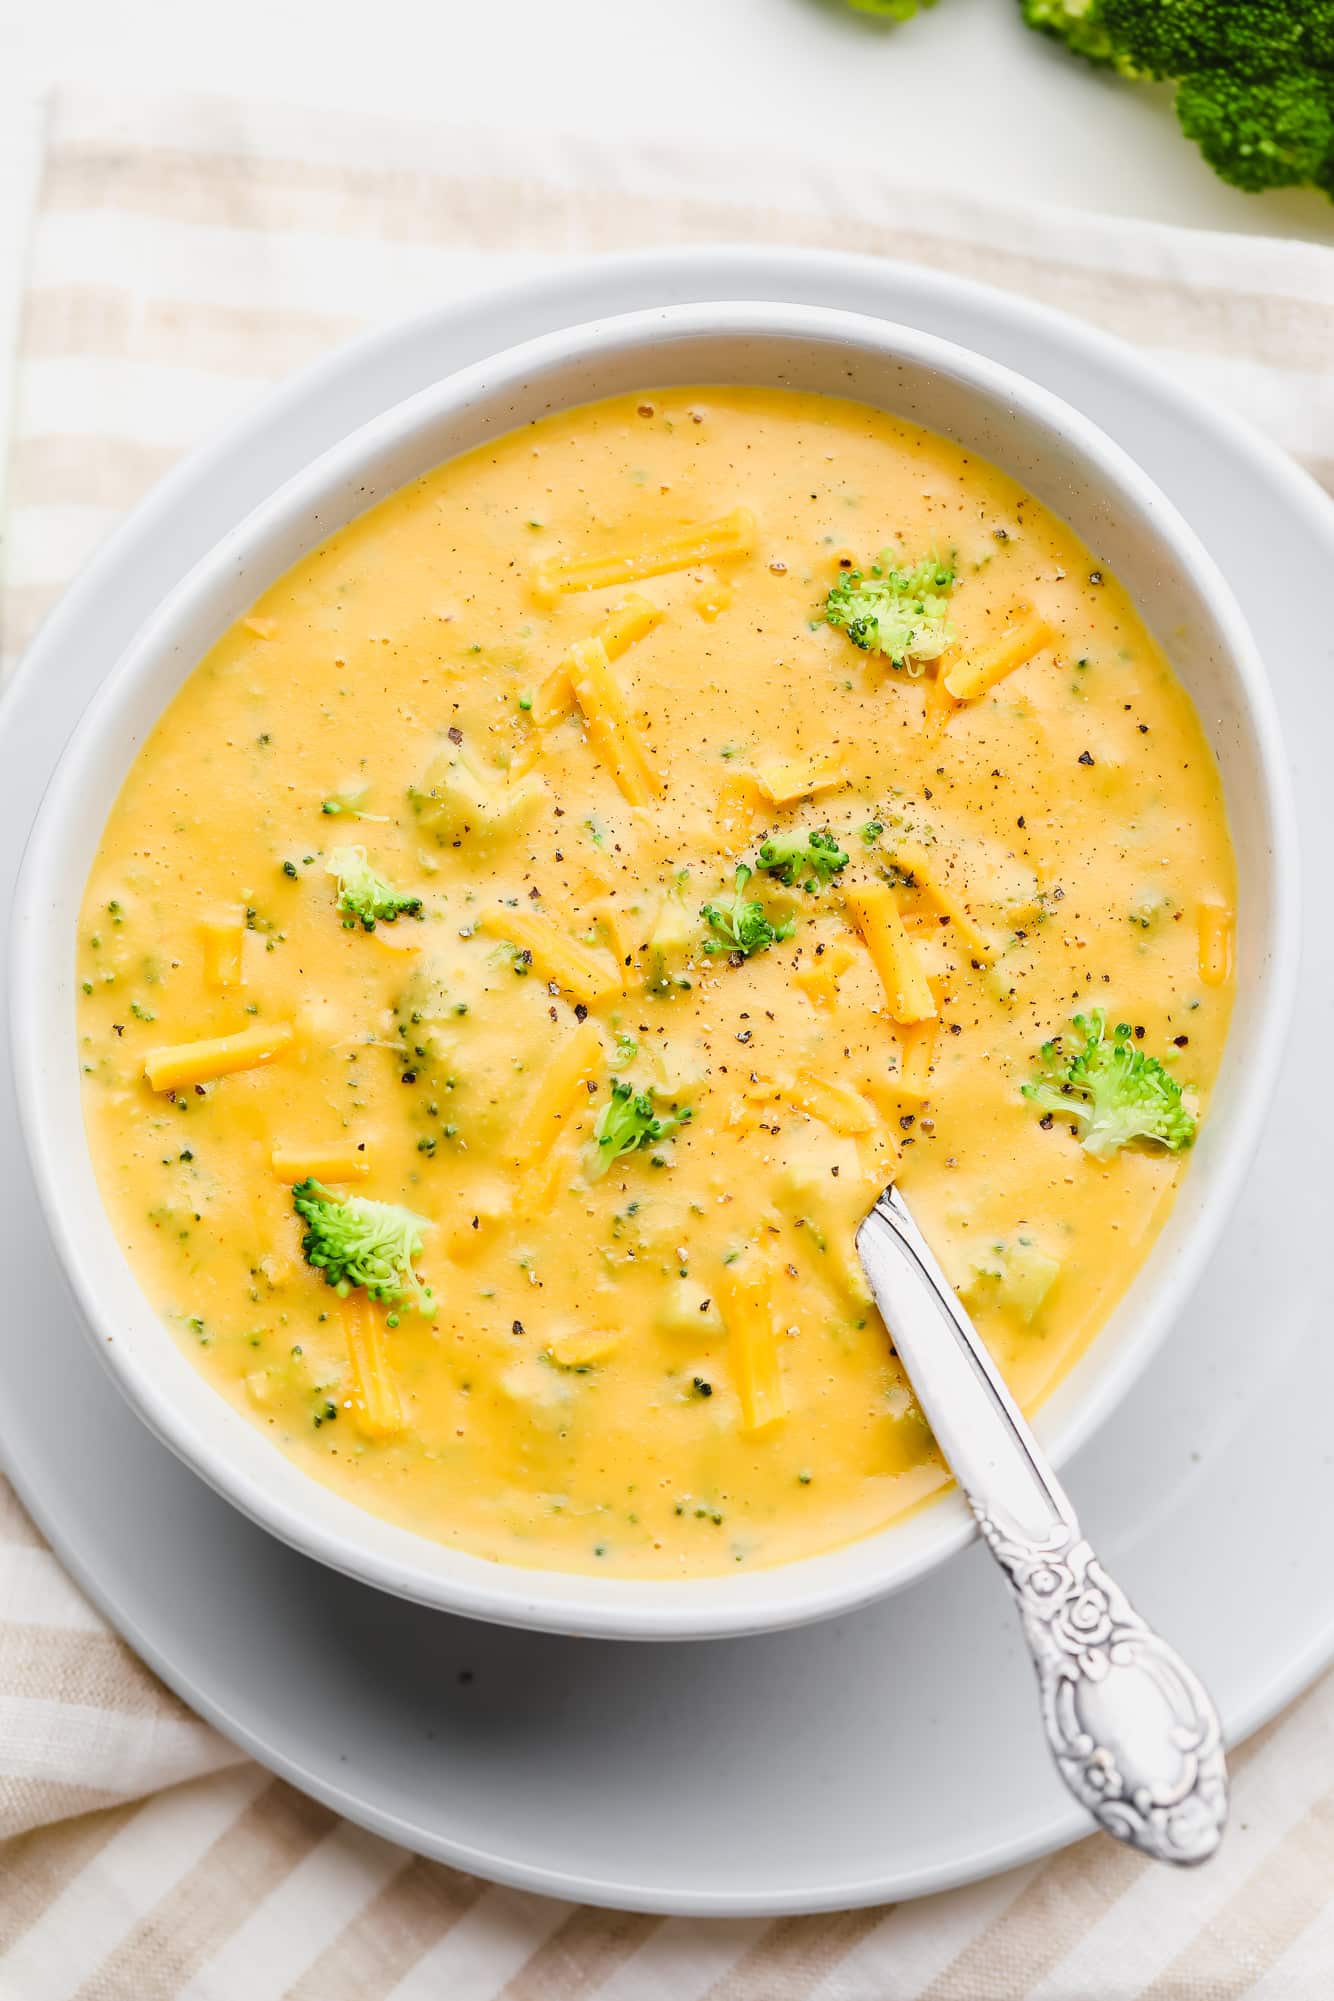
pixel 1176 38
pixel 1255 83
pixel 808 857
pixel 903 614
pixel 890 10
pixel 1079 24
pixel 741 925
pixel 1111 1088
pixel 1275 132
pixel 355 1241
pixel 1170 39
pixel 628 1121
pixel 364 897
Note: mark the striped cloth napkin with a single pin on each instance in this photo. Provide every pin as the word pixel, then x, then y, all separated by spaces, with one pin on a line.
pixel 177 258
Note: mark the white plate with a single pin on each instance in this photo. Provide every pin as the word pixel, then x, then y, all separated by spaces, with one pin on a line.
pixel 875 1757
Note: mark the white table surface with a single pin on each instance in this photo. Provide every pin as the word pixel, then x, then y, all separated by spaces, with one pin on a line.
pixel 963 97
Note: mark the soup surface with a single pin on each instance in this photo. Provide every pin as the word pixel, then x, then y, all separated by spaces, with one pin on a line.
pixel 553 697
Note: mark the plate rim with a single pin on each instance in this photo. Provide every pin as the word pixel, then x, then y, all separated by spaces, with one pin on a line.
pixel 546 291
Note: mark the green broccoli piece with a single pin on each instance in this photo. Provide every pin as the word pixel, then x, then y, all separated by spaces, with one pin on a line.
pixel 890 10
pixel 1274 132
pixel 355 1241
pixel 1080 25
pixel 628 1121
pixel 1168 39
pixel 809 857
pixel 741 925
pixel 1116 1092
pixel 900 613
pixel 364 897
pixel 1255 82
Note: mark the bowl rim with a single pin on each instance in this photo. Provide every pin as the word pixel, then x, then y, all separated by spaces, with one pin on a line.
pixel 575 1602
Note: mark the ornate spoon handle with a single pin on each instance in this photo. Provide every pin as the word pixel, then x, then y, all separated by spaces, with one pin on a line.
pixel 1134 1734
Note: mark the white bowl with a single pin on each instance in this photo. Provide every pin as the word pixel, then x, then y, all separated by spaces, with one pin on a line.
pixel 1058 456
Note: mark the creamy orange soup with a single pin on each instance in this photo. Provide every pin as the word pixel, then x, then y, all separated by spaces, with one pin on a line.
pixel 551 697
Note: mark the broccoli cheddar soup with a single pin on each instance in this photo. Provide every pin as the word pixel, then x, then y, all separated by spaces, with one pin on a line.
pixel 537 931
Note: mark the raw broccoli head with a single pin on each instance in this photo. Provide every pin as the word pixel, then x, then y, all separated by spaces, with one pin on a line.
pixel 364 897
pixel 890 10
pixel 1080 25
pixel 355 1241
pixel 1255 77
pixel 1112 1089
pixel 1177 38
pixel 903 614
pixel 742 925
pixel 628 1121
pixel 808 856
pixel 1277 132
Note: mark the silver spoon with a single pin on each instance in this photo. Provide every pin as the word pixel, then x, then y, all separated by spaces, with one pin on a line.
pixel 1133 1733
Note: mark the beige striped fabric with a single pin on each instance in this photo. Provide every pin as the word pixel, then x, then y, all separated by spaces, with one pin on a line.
pixel 175 260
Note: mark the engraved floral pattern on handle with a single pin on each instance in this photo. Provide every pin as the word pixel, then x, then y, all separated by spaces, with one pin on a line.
pixel 1135 1737
pixel 1134 1734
